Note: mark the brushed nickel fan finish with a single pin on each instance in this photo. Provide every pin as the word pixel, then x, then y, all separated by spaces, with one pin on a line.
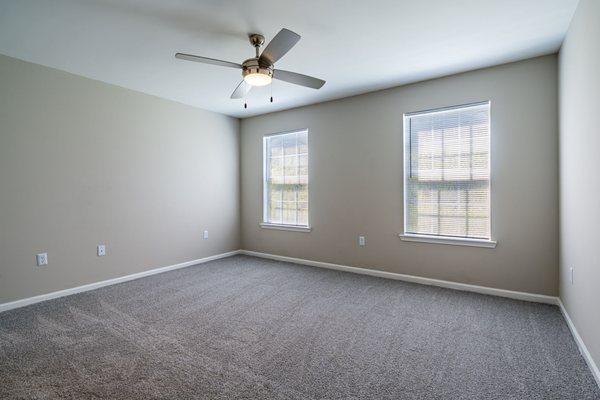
pixel 256 39
pixel 254 66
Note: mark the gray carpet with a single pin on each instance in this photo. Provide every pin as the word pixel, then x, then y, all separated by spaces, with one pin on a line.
pixel 246 328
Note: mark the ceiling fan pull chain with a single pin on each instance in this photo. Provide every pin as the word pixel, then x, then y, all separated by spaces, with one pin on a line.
pixel 271 92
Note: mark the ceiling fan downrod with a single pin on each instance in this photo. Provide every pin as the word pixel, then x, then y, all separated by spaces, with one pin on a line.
pixel 257 41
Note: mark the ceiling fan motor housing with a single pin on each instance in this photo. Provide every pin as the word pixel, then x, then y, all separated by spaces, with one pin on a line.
pixel 252 66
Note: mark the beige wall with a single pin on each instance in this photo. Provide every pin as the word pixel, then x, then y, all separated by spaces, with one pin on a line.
pixel 145 176
pixel 83 163
pixel 356 174
pixel 579 176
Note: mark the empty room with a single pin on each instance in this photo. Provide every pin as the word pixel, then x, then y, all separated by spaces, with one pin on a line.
pixel 206 199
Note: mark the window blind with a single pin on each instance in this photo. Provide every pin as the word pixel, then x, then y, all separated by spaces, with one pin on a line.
pixel 285 178
pixel 447 172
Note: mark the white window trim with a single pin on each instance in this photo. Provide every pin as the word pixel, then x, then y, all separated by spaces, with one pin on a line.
pixel 435 239
pixel 451 240
pixel 270 225
pixel 282 227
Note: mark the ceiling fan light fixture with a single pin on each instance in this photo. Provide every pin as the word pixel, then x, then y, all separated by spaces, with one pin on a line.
pixel 256 74
pixel 257 79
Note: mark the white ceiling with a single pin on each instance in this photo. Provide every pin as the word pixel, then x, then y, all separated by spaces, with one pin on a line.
pixel 356 46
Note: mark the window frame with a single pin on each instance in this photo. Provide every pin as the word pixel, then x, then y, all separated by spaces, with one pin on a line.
pixel 265 200
pixel 441 239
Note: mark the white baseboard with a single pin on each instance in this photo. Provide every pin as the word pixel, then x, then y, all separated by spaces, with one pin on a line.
pixel 96 285
pixel 537 298
pixel 582 347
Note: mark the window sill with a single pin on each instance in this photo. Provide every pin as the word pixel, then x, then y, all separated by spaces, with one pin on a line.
pixel 294 228
pixel 491 244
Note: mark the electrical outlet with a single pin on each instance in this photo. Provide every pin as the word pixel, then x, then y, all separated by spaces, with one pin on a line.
pixel 101 250
pixel 205 235
pixel 572 271
pixel 42 259
pixel 362 241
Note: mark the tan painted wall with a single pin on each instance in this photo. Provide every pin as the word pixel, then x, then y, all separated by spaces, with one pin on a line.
pixel 83 163
pixel 579 176
pixel 356 152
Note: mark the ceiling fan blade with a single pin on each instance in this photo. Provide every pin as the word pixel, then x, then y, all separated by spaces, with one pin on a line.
pixel 298 79
pixel 241 90
pixel 206 60
pixel 279 45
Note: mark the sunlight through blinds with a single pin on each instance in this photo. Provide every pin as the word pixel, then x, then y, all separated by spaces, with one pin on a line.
pixel 447 172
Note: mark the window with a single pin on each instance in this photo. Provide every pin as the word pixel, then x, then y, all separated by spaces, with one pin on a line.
pixel 447 173
pixel 285 180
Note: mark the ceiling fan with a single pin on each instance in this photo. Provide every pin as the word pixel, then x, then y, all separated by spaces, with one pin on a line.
pixel 260 70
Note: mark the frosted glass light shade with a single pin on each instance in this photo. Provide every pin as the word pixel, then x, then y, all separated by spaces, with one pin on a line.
pixel 257 79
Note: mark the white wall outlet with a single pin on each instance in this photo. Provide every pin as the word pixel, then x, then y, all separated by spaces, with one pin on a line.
pixel 101 250
pixel 42 259
pixel 362 241
pixel 205 235
pixel 571 273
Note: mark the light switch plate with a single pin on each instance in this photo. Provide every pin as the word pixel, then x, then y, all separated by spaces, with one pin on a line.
pixel 205 235
pixel 572 272
pixel 42 259
pixel 101 250
pixel 362 241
